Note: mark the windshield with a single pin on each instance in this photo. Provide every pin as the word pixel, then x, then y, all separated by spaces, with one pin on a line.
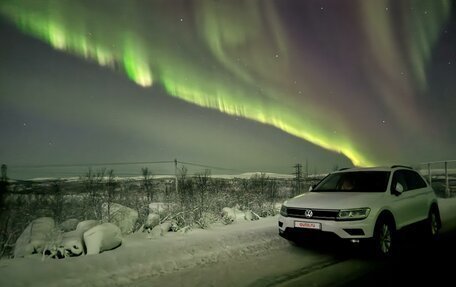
pixel 358 181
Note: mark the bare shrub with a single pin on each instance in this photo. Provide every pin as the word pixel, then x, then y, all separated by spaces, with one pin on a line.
pixel 108 195
pixel 134 197
pixel 57 201
pixel 147 183
pixel 93 197
pixel 202 184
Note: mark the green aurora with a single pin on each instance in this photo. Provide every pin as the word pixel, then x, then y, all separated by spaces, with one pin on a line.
pixel 238 57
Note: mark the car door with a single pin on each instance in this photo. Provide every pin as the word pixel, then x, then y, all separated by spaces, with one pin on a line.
pixel 418 191
pixel 402 203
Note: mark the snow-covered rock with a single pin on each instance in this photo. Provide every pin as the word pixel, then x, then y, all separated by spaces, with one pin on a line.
pixel 230 215
pixel 161 229
pixel 152 220
pixel 85 225
pixel 249 215
pixel 69 225
pixel 159 207
pixel 34 237
pixel 102 237
pixel 124 217
pixel 72 243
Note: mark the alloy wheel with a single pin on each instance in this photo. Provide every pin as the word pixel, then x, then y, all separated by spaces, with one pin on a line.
pixel 434 224
pixel 385 239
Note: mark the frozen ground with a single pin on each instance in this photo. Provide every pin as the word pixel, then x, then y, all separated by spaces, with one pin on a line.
pixel 242 254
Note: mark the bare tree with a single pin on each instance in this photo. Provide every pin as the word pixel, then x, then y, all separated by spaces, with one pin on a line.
pixel 147 183
pixel 3 185
pixel 109 194
pixel 202 182
pixel 186 198
pixel 93 193
pixel 58 200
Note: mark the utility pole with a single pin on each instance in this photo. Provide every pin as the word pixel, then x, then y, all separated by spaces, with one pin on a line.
pixel 3 184
pixel 4 177
pixel 307 168
pixel 429 174
pixel 298 177
pixel 447 184
pixel 175 174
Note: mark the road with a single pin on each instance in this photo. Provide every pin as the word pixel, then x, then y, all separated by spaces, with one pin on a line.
pixel 418 261
pixel 336 264
pixel 416 265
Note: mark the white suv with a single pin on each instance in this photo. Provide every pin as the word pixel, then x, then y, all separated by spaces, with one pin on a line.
pixel 362 203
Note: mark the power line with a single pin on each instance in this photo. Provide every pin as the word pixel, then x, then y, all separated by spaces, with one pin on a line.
pixel 85 165
pixel 208 166
pixel 89 164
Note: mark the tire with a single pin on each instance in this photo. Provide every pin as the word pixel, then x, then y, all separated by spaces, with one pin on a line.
pixel 384 238
pixel 433 224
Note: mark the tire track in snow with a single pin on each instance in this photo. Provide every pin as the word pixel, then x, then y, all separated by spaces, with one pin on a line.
pixel 277 280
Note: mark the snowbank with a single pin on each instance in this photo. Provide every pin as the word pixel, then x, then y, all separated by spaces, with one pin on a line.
pixel 142 259
pixel 139 257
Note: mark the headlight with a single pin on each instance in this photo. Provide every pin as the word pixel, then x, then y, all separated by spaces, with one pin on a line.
pixel 353 214
pixel 283 210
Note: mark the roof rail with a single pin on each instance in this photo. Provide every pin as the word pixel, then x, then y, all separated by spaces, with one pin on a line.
pixel 404 166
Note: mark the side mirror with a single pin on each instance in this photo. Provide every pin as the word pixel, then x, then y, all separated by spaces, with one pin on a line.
pixel 311 187
pixel 399 189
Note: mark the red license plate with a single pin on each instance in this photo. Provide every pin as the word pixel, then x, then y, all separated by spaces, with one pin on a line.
pixel 307 225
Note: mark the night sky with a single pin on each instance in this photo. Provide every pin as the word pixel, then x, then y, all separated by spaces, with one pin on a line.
pixel 246 85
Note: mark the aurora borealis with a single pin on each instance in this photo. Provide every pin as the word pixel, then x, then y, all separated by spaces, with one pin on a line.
pixel 360 78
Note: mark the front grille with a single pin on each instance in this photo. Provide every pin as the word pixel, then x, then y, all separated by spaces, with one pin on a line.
pixel 323 214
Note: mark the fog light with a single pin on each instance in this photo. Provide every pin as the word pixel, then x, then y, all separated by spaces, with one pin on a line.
pixel 354 241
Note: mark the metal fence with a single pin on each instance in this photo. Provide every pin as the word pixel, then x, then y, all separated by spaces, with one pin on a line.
pixel 441 175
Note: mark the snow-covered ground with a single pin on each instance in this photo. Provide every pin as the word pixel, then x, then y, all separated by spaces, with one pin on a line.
pixel 142 257
pixel 194 258
pixel 246 175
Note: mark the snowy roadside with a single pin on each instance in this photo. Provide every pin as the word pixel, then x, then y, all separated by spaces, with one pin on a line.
pixel 140 257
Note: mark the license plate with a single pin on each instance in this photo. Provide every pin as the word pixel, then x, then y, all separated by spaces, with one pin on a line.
pixel 307 225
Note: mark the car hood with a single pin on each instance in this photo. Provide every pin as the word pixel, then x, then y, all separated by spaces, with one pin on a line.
pixel 335 200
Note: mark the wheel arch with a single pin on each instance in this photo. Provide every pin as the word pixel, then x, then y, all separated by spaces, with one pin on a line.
pixel 386 214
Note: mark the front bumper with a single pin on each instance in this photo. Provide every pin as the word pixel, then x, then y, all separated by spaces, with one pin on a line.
pixel 356 229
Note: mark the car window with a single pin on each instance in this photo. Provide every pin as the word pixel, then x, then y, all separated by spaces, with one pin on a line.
pixel 399 177
pixel 414 180
pixel 357 181
pixel 330 182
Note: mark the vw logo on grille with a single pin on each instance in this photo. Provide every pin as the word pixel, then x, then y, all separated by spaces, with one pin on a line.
pixel 308 213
